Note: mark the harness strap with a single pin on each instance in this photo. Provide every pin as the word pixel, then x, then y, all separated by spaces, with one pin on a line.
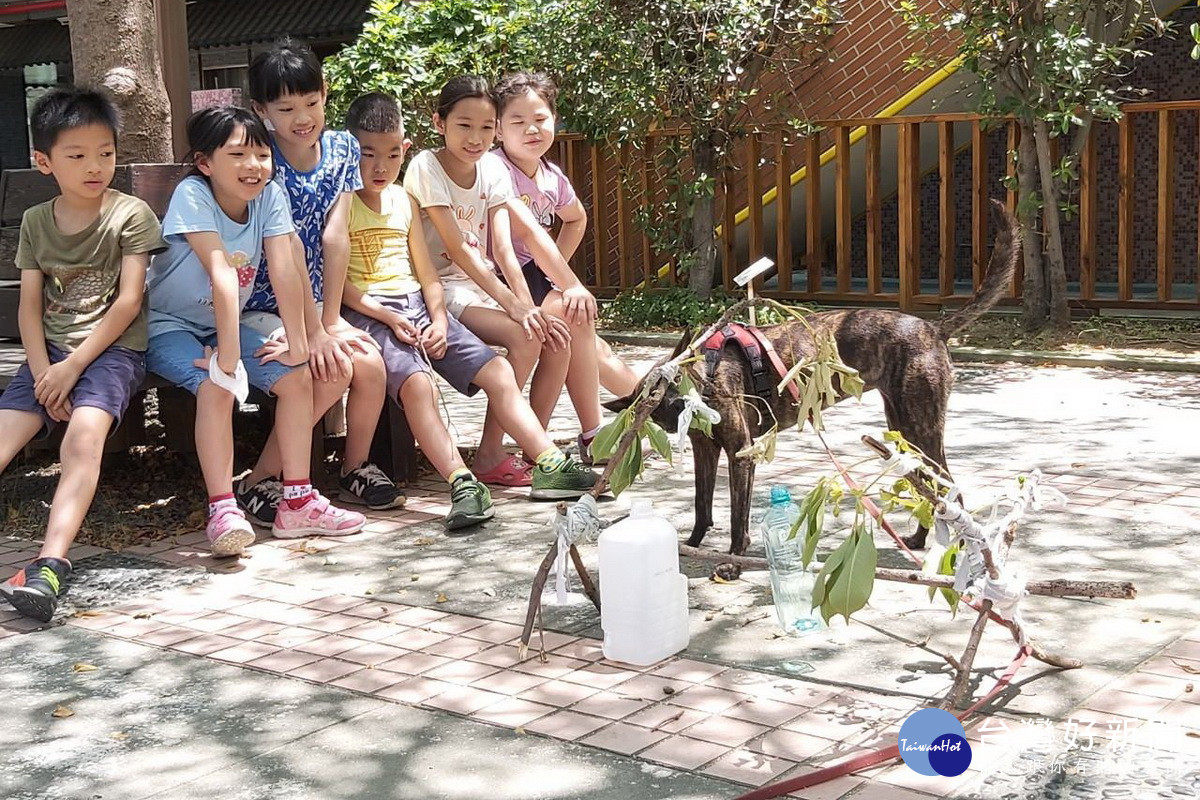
pixel 758 351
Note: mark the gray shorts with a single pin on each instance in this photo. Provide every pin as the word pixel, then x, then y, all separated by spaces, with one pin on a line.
pixel 465 352
pixel 108 383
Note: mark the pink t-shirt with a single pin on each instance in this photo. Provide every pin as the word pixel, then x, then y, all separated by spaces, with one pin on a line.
pixel 545 194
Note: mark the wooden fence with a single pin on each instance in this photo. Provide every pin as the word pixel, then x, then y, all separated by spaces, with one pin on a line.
pixel 895 210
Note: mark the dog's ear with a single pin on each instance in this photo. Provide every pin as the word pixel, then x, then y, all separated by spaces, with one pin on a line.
pixel 618 405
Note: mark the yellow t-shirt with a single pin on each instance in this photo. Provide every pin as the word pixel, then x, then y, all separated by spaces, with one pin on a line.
pixel 379 262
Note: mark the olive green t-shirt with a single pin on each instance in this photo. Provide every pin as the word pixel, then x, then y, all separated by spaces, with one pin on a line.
pixel 83 270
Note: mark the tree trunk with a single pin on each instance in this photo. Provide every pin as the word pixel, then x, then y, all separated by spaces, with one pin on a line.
pixel 113 45
pixel 1056 263
pixel 704 254
pixel 1036 303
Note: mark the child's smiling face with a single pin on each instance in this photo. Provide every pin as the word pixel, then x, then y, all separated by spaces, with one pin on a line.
pixel 469 129
pixel 83 160
pixel 298 119
pixel 382 156
pixel 526 127
pixel 239 168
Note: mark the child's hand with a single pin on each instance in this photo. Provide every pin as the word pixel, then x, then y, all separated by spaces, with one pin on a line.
pixel 329 357
pixel 355 338
pixel 558 334
pixel 579 305
pixel 404 330
pixel 60 412
pixel 433 339
pixel 278 350
pixel 55 384
pixel 222 362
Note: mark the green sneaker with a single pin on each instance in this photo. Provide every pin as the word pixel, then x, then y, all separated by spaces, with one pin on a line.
pixel 470 504
pixel 567 481
pixel 35 589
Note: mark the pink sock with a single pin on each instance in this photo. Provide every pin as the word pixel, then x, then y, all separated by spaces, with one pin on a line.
pixel 296 493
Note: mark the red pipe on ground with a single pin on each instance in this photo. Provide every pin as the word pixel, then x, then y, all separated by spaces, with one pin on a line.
pixel 29 8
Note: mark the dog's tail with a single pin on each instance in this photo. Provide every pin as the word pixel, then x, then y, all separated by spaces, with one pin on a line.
pixel 999 275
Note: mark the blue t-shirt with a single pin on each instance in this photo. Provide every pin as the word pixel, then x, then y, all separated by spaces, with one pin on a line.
pixel 178 285
pixel 311 196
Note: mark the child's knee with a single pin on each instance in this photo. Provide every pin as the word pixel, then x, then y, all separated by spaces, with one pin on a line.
pixel 369 367
pixel 211 396
pixel 83 443
pixel 417 389
pixel 524 350
pixel 297 380
pixel 496 377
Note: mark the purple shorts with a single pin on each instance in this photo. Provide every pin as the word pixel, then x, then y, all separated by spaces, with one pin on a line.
pixel 108 384
pixel 465 352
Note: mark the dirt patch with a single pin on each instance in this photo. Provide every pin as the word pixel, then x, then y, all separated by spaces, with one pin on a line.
pixel 1097 334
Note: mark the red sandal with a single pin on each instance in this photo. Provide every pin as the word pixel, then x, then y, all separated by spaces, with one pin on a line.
pixel 512 471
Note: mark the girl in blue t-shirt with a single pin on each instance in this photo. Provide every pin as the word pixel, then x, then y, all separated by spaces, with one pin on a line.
pixel 220 221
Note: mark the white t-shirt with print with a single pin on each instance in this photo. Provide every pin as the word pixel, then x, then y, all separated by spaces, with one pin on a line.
pixel 428 182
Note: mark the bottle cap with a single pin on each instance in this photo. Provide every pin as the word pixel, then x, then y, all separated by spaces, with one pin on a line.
pixel 640 507
pixel 780 495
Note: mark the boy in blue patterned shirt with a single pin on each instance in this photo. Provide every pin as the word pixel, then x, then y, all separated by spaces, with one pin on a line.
pixel 319 172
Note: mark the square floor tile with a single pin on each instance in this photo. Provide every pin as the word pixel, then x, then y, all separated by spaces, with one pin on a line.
pixel 495 632
pixel 415 663
pixel 623 738
pixel 205 643
pixel 335 603
pixel 509 683
pixel 601 676
pixel 455 624
pixel 284 661
pixel 791 745
pixel 557 693
pixel 372 654
pixel 763 711
pixel 501 655
pixel 415 616
pixel 1126 704
pixel 708 699
pixel 650 687
pixel 368 680
pixel 566 725
pixel 329 645
pixel 609 705
pixel 460 672
pixel 463 700
pixel 582 649
pixel 746 766
pixel 682 752
pixel 666 718
pixel 725 731
pixel 414 690
pixel 513 712
pixel 417 639
pixel 325 670
pixel 686 669
pixel 243 652
pixel 456 647
pixel 553 667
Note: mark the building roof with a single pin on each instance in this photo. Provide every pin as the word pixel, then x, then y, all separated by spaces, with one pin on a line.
pixel 211 23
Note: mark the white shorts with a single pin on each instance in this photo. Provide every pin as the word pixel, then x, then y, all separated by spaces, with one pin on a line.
pixel 460 295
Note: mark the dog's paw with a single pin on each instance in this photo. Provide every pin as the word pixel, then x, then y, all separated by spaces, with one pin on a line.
pixel 915 541
pixel 725 573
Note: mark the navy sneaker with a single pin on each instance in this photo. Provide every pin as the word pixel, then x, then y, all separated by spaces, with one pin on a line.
pixel 369 486
pixel 260 500
pixel 34 590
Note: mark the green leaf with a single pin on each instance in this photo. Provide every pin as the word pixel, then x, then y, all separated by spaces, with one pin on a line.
pixel 849 589
pixel 629 468
pixel 828 569
pixel 607 437
pixel 658 439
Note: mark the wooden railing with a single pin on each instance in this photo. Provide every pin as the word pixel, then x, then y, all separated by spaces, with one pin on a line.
pixel 895 210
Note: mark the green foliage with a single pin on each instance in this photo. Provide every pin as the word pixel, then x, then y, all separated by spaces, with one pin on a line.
pixel 847 578
pixel 675 308
pixel 631 464
pixel 946 566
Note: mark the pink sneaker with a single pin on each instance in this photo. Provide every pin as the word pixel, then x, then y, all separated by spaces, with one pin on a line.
pixel 229 534
pixel 315 518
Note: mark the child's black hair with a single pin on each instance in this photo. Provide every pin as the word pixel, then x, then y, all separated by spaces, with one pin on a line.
pixel 374 113
pixel 72 107
pixel 290 67
pixel 516 84
pixel 211 128
pixel 462 88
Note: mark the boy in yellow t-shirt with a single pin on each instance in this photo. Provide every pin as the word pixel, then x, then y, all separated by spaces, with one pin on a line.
pixel 394 294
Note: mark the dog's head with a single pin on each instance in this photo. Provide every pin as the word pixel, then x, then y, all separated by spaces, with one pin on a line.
pixel 668 410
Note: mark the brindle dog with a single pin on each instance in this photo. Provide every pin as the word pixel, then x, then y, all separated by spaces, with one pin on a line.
pixel 904 357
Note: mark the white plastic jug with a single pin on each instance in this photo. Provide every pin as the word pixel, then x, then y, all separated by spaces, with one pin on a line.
pixel 643 596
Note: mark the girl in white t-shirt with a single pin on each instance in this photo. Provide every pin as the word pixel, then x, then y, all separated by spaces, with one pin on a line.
pixel 466 201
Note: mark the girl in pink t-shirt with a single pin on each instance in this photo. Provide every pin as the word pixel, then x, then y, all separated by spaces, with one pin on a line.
pixel 526 105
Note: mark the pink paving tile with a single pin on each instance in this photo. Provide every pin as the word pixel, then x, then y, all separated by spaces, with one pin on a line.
pixel 790 744
pixel 373 609
pixel 510 683
pixel 274 611
pixel 556 693
pixel 513 712
pixel 582 649
pixel 463 700
pixel 1151 685
pixel 550 640
pixel 464 673
pixel 624 739
pixel 284 661
pixel 829 790
pixel 601 676
pixel 329 645
pixel 567 725
pixel 335 603
pixel 746 766
pixel 553 667
pixel 1170 667
pixel 333 623
pixel 414 690
pixel 455 623
pixel 1184 648
pixel 501 655
pixel 415 615
pixel 683 753
pixel 688 670
pixel 368 680
pixel 415 663
pixel 243 652
pixel 764 711
pixel 417 639
pixel 372 654
pixel 456 648
pixel 726 731
pixel 247 630
pixel 878 791
pixel 495 632
pixel 205 643
pixel 669 719
pixel 1186 715
pixel 1139 706
pixel 377 631
pixel 290 637
pixel 218 622
pixel 167 635
pixel 649 687
pixel 609 705
pixel 708 699
pixel 136 628
pixel 324 670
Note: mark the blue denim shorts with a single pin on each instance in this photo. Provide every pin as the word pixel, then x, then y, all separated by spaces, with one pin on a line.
pixel 172 354
pixel 108 383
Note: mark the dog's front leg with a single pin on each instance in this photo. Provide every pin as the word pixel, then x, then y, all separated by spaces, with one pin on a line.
pixel 705 455
pixel 741 489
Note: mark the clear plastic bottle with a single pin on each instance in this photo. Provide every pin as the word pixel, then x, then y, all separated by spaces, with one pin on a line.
pixel 791 584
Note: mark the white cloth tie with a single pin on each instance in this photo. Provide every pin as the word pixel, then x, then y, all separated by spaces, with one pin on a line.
pixel 237 384
pixel 581 523
pixel 693 406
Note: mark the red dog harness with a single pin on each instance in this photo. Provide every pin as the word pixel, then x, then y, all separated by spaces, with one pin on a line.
pixel 758 351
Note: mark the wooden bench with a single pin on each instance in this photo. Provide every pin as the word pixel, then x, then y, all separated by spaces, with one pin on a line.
pixel 393 447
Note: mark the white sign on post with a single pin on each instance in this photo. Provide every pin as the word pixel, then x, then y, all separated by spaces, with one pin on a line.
pixel 760 267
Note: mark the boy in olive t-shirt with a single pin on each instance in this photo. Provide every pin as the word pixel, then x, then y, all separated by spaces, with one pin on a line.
pixel 82 315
